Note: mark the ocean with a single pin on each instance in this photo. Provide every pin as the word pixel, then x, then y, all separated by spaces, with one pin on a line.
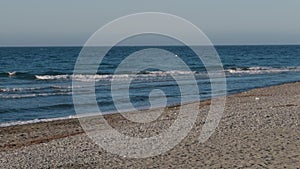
pixel 36 82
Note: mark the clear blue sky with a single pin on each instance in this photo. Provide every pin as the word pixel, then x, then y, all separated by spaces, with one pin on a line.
pixel 72 22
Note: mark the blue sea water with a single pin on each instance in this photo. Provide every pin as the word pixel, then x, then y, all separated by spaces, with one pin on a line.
pixel 36 82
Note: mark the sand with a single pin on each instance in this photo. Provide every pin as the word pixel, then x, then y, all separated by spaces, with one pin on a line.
pixel 259 129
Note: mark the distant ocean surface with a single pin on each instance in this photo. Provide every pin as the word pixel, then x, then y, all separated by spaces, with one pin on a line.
pixel 36 82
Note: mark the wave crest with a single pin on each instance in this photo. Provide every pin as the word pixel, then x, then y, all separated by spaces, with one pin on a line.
pixel 261 70
pixel 81 77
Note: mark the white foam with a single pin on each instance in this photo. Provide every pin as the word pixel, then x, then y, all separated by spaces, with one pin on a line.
pixel 19 89
pixel 18 96
pixel 147 74
pixel 111 77
pixel 52 77
pixel 171 72
pixel 15 123
pixel 11 73
pixel 261 70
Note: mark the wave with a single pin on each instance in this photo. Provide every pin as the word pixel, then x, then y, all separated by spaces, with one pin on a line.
pixel 26 89
pixel 19 89
pixel 15 123
pixel 52 77
pixel 81 77
pixel 15 74
pixel 19 96
pixel 26 75
pixel 261 70
pixel 5 74
pixel 53 88
pixel 147 74
pixel 169 72
pixel 143 74
pixel 11 73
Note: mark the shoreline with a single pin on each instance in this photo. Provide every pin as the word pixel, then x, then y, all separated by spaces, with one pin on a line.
pixel 259 128
pixel 34 121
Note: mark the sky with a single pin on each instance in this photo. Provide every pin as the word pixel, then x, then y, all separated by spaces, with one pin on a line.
pixel 72 22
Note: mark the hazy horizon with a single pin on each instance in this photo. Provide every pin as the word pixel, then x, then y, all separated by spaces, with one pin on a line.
pixel 71 23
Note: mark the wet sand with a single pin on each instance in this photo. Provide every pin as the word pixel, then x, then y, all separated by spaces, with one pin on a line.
pixel 259 129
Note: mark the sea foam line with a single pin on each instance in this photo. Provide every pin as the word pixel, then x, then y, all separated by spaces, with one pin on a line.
pixel 81 77
pixel 18 96
pixel 261 70
pixel 16 123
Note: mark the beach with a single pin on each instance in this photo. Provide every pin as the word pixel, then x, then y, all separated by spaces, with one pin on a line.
pixel 260 128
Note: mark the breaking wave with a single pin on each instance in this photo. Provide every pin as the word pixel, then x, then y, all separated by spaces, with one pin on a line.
pixel 147 74
pixel 113 77
pixel 261 70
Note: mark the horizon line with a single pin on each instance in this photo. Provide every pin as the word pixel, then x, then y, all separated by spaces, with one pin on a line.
pixel 142 45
